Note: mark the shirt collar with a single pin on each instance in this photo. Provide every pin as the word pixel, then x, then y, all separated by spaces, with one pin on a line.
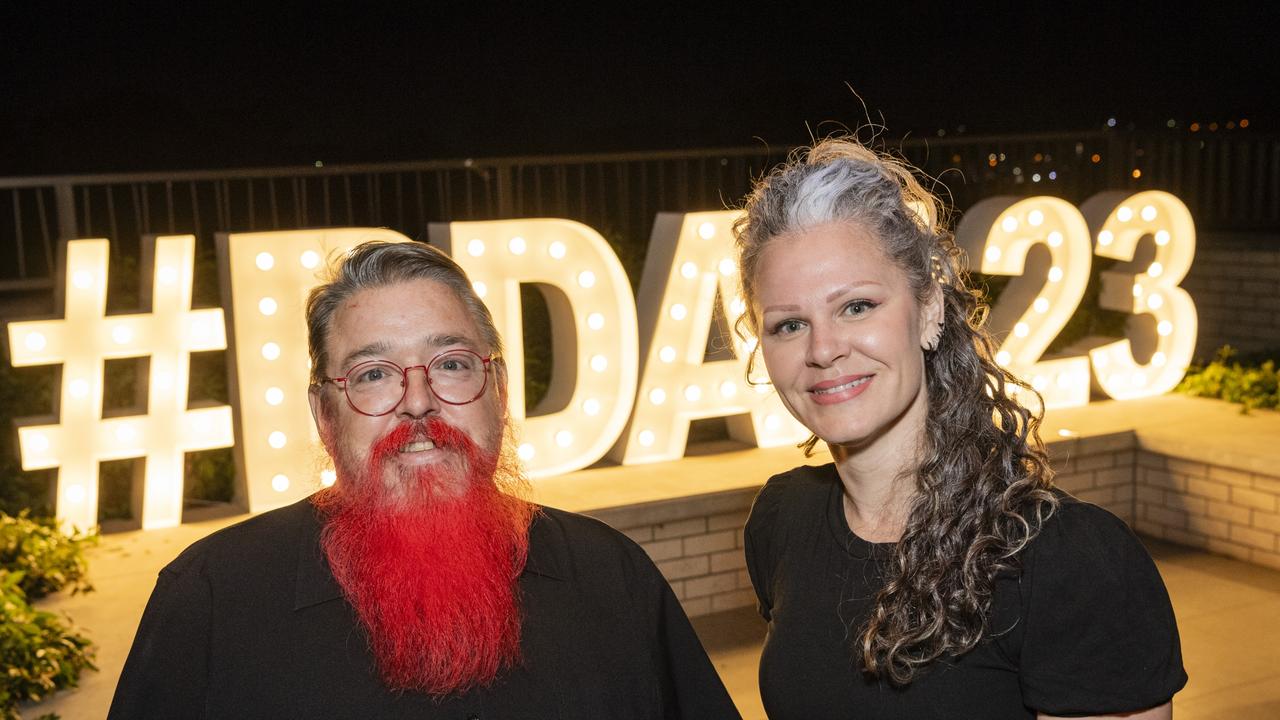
pixel 316 584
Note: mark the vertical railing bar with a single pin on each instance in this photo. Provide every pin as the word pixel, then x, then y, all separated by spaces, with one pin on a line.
pixel 111 214
pixel 195 212
pixel 44 231
pixel 17 231
pixel 271 200
pixel 168 199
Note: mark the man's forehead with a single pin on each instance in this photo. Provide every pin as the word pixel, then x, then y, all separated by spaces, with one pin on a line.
pixel 418 313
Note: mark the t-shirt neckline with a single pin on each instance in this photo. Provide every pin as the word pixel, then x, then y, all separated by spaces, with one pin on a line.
pixel 845 537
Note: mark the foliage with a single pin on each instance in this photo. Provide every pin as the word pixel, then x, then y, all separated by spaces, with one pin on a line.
pixel 46 560
pixel 1252 385
pixel 40 653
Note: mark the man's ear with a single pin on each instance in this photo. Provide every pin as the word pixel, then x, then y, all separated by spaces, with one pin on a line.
pixel 318 413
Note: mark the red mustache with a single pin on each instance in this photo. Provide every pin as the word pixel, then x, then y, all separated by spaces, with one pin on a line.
pixel 440 433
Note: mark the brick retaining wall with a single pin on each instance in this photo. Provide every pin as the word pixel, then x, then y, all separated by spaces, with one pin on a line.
pixel 697 541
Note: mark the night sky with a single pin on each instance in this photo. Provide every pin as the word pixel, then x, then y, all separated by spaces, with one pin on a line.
pixel 93 88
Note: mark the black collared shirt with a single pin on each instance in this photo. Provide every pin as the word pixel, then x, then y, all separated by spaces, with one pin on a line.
pixel 250 623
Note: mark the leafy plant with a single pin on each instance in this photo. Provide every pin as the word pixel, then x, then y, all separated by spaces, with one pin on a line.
pixel 40 653
pixel 1252 385
pixel 45 559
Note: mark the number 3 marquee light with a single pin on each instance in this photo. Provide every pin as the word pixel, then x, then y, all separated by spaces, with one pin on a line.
pixel 628 376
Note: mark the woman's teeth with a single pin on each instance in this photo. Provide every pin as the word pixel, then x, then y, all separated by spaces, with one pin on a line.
pixel 421 446
pixel 840 388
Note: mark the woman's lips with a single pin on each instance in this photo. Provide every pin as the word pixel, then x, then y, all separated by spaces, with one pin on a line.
pixel 842 389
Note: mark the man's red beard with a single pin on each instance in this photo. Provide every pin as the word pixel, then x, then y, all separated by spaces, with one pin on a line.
pixel 430 565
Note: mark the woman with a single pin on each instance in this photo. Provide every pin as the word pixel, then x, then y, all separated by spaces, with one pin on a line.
pixel 932 570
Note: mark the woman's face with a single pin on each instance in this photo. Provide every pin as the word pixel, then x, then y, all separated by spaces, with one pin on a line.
pixel 842 334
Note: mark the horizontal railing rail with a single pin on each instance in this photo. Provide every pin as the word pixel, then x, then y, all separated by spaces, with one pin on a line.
pixel 1230 182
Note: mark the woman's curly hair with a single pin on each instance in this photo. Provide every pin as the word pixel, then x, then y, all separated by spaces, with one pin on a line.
pixel 983 482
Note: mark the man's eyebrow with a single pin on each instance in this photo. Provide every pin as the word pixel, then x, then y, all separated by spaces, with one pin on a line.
pixel 374 349
pixel 445 340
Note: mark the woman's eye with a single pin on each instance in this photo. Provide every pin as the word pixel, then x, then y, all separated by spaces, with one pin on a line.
pixel 786 327
pixel 859 307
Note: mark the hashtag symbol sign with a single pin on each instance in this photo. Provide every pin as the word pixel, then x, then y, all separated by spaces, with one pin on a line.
pixel 81 342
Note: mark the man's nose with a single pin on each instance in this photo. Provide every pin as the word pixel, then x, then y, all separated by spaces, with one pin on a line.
pixel 418 399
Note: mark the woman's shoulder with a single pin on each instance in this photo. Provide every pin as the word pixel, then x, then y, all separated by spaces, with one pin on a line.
pixel 1082 532
pixel 796 489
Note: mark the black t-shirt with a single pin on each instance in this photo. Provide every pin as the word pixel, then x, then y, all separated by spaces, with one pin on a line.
pixel 250 623
pixel 1085 627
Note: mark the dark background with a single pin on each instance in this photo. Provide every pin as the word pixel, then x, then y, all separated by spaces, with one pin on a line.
pixel 91 87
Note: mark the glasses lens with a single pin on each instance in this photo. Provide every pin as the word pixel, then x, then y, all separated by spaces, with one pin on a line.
pixel 375 387
pixel 458 376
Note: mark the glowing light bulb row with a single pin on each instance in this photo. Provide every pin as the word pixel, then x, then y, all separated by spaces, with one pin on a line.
pixel 309 259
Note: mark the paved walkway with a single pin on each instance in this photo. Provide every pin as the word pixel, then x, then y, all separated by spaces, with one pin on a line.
pixel 1228 616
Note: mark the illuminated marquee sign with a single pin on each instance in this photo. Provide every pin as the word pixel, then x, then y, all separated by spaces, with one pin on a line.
pixel 1000 232
pixel 629 375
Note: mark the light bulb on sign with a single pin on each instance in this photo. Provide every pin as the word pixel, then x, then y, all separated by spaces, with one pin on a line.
pixel 557 250
pixel 517 245
pixel 270 351
pixel 689 270
pixel 309 259
pixel 475 248
pixel 122 334
pixel 1149 213
pixel 280 483
pixel 595 321
pixel 328 478
pixel 706 231
pixel 657 396
pixel 480 289
pixel 1124 214
pixel 76 493
pixel 591 407
pixel 586 279
pixel 82 279
pixel 525 452
pixel 277 439
pixel 265 261
pixel 667 354
pixel 34 341
pixel 679 312
pixel 268 306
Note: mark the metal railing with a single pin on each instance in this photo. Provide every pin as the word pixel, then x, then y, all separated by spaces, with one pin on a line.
pixel 1230 182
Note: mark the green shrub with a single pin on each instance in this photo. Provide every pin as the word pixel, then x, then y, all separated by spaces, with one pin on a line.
pixel 45 559
pixel 1252 385
pixel 39 652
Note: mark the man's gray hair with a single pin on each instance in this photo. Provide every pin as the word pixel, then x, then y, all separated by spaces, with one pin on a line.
pixel 378 264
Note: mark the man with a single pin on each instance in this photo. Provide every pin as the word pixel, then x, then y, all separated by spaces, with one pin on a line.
pixel 422 584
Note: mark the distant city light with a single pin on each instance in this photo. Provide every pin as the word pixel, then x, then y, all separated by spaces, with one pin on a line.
pixel 1111 122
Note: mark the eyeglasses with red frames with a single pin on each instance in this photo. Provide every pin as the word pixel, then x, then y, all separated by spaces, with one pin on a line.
pixel 376 387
